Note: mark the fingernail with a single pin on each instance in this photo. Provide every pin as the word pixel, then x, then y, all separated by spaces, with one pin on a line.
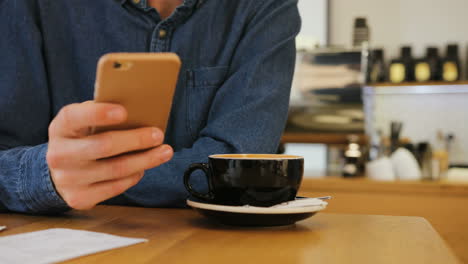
pixel 167 153
pixel 157 134
pixel 116 114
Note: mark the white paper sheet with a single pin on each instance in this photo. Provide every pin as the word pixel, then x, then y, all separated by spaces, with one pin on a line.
pixel 58 244
pixel 2 228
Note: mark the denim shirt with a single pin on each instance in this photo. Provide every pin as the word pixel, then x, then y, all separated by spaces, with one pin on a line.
pixel 231 97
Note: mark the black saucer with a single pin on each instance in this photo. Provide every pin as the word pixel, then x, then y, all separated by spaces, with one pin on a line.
pixel 255 216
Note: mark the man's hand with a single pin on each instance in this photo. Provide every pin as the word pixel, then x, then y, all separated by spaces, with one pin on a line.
pixel 88 169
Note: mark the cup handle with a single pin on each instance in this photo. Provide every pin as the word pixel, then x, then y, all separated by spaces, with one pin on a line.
pixel 205 168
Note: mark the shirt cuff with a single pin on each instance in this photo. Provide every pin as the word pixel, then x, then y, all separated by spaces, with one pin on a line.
pixel 37 189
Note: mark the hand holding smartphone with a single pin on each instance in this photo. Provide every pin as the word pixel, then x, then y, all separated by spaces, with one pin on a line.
pixel 133 101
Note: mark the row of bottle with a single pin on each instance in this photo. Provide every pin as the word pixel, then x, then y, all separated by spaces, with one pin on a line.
pixel 407 69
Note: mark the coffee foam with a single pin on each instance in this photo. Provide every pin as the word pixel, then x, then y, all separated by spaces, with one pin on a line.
pixel 255 156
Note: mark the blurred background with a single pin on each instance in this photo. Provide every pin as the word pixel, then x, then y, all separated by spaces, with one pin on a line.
pixel 365 64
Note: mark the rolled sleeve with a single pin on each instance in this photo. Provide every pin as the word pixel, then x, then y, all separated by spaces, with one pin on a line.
pixel 37 190
pixel 25 182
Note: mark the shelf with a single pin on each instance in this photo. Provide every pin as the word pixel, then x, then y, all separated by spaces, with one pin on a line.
pixel 319 138
pixel 417 88
pixel 388 84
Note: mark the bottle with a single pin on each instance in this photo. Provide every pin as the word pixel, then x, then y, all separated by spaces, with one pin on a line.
pixel 407 57
pixel 377 66
pixel 352 158
pixel 401 69
pixel 466 63
pixel 451 64
pixel 424 157
pixel 361 31
pixel 440 157
pixel 428 68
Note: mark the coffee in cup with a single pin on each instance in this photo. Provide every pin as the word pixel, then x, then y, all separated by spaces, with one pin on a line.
pixel 249 179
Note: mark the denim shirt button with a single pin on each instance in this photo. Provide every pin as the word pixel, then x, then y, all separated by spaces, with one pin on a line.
pixel 162 32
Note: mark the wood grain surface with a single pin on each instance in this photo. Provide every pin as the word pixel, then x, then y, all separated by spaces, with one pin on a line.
pixel 443 204
pixel 183 236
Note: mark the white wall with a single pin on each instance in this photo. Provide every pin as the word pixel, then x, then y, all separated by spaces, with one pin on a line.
pixel 397 22
pixel 314 19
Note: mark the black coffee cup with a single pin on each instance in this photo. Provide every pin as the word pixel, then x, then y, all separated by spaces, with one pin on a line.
pixel 253 179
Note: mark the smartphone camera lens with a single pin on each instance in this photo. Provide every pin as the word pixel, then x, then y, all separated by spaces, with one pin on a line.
pixel 117 65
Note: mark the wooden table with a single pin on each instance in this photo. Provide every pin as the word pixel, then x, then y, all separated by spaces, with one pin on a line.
pixel 183 236
pixel 443 204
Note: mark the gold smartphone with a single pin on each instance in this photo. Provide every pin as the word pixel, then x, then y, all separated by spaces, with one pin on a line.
pixel 144 83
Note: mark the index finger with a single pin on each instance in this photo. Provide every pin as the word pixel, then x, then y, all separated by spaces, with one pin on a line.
pixel 74 120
